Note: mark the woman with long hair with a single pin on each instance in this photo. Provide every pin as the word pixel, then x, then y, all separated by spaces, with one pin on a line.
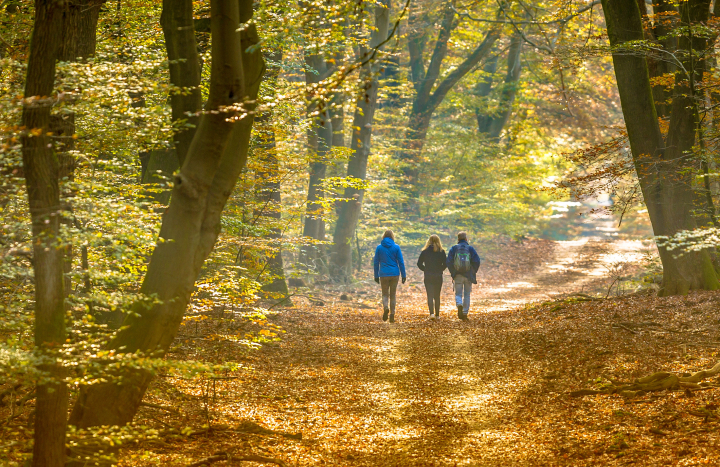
pixel 432 262
pixel 389 266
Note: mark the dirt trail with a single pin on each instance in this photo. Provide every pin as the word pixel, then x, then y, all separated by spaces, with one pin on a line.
pixel 418 392
pixel 585 265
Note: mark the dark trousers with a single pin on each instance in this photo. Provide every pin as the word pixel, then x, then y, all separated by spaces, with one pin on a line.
pixel 433 287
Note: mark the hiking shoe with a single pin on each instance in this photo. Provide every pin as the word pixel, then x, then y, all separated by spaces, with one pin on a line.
pixel 385 314
pixel 392 318
pixel 464 317
pixel 460 311
pixel 433 317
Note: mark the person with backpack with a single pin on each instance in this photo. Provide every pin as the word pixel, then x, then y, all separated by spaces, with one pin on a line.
pixel 389 266
pixel 463 263
pixel 432 262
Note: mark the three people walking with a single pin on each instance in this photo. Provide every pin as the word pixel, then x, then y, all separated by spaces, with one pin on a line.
pixel 462 261
pixel 389 266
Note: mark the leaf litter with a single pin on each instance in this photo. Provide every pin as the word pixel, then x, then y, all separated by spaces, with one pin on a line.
pixel 344 388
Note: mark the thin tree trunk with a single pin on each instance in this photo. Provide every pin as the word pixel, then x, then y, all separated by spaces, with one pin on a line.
pixel 268 185
pixel 41 169
pixel 365 106
pixel 191 225
pixel 320 139
pixel 184 63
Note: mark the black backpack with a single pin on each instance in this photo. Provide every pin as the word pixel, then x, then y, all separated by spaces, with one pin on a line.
pixel 462 258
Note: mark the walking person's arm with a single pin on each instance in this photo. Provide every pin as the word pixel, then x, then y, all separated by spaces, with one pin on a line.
pixel 421 261
pixel 401 263
pixel 449 262
pixel 474 259
pixel 444 262
pixel 376 265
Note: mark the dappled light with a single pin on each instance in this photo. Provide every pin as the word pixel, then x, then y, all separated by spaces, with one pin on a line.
pixel 359 233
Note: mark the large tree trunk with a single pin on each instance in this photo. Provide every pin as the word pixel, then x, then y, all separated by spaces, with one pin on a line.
pixel 365 106
pixel 665 169
pixel 184 63
pixel 191 225
pixel 41 169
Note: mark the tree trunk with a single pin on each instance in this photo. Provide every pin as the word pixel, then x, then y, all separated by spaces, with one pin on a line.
pixel 79 26
pixel 184 64
pixel 320 140
pixel 482 90
pixel 268 184
pixel 661 166
pixel 41 169
pixel 191 225
pixel 365 106
pixel 158 166
pixel 509 89
pixel 426 102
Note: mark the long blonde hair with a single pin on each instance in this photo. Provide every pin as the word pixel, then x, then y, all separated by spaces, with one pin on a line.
pixel 433 241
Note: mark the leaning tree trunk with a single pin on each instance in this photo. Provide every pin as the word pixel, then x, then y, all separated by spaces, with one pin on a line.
pixel 41 169
pixel 509 88
pixel 366 104
pixel 192 222
pixel 661 166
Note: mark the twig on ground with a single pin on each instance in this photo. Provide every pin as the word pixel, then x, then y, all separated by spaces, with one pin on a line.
pixel 225 456
pixel 620 325
pixel 159 407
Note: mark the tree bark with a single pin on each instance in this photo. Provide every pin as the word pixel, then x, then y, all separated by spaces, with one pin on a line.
pixel 496 123
pixel 320 139
pixel 665 168
pixel 268 185
pixel 365 106
pixel 482 90
pixel 191 225
pixel 42 170
pixel 184 64
pixel 79 26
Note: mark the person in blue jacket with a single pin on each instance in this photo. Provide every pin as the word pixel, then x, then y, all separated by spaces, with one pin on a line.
pixel 463 263
pixel 389 266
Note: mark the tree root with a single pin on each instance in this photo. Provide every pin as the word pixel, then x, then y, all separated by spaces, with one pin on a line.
pixel 225 456
pixel 655 382
pixel 253 428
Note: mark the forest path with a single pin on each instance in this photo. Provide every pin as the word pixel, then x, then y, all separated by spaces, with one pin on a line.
pixel 422 392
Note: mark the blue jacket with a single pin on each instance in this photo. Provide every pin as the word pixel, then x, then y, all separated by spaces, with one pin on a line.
pixel 474 262
pixel 388 260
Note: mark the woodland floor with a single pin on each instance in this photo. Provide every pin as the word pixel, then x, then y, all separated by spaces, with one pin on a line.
pixel 493 391
pixel 489 392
